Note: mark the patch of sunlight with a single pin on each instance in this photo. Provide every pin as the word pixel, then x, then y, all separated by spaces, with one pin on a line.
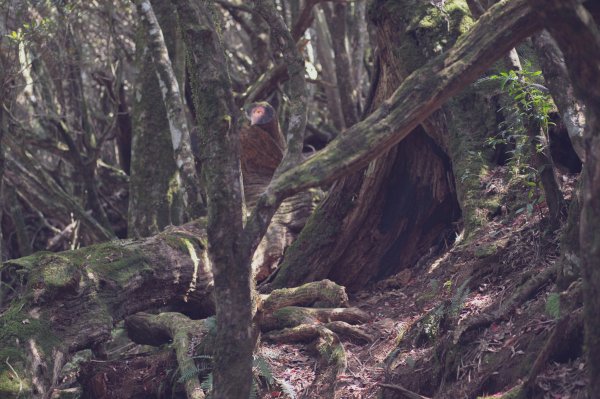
pixel 436 263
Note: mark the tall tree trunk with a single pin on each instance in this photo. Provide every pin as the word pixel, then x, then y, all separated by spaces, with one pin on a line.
pixel 180 134
pixel 557 80
pixel 230 260
pixel 154 191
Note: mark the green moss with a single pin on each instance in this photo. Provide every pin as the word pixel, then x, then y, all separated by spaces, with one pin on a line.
pixel 28 262
pixel 287 316
pixel 180 241
pixel 114 261
pixel 484 251
pixel 17 328
pixel 12 386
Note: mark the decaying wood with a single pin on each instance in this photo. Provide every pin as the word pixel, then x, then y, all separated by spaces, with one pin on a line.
pixel 76 296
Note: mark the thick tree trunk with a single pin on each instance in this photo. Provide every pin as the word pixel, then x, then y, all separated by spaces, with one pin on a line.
pixel 556 77
pixel 173 100
pixel 380 221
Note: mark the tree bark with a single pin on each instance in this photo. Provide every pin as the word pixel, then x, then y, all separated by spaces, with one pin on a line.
pixel 372 217
pixel 154 193
pixel 75 298
pixel 180 134
pixel 336 20
pixel 578 36
pixel 557 80
pixel 217 122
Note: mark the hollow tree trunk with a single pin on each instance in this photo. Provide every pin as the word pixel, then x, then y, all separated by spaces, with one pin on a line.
pixel 382 220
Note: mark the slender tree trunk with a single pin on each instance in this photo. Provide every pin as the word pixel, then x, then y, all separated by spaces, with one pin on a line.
pixel 327 61
pixel 336 20
pixel 154 191
pixel 217 121
pixel 180 134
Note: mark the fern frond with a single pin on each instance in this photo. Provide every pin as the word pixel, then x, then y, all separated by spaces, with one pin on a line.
pixel 286 388
pixel 188 374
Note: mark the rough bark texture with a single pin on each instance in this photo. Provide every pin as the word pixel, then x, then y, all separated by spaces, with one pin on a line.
pixel 54 305
pixel 542 162
pixel 374 219
pixel 154 201
pixel 336 19
pixel 327 61
pixel 173 100
pixel 579 39
pixel 420 94
pixel 557 80
pixel 217 122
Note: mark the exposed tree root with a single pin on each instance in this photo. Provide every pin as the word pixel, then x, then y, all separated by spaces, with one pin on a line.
pixel 324 293
pixel 283 322
pixel 278 320
pixel 151 329
pixel 525 292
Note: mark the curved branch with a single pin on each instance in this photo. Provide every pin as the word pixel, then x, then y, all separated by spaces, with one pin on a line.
pixel 423 92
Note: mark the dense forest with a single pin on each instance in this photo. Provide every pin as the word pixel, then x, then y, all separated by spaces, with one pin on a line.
pixel 236 199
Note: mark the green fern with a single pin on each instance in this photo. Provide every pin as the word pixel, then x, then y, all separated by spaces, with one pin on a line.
pixel 286 388
pixel 263 369
pixel 553 305
pixel 253 391
pixel 207 383
pixel 188 374
pixel 459 297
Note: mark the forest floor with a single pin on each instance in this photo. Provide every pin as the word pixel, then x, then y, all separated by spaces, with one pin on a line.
pixel 422 316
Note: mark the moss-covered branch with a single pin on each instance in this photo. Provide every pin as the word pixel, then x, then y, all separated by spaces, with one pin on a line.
pixel 424 91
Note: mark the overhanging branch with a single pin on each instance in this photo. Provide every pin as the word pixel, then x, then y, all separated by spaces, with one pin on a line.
pixel 424 91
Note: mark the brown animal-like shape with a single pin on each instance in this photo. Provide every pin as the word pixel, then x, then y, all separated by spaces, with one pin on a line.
pixel 262 148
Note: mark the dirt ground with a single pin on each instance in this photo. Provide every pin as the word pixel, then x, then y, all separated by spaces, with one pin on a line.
pixel 420 315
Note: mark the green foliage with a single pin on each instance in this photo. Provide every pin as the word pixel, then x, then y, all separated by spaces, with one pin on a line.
pixel 431 323
pixel 553 305
pixel 459 297
pixel 207 383
pixel 188 374
pixel 530 103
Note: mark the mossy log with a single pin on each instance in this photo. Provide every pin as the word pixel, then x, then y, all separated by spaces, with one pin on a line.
pixel 278 319
pixel 53 305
